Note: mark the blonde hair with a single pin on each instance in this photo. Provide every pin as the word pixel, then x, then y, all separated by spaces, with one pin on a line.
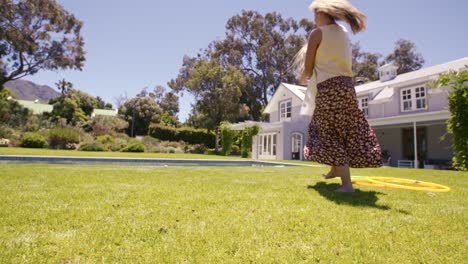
pixel 338 10
pixel 341 10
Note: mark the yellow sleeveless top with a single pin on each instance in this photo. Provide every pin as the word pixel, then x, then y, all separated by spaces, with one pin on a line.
pixel 334 54
pixel 333 58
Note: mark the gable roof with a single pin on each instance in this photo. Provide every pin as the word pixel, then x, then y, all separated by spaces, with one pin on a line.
pixel 425 74
pixel 298 91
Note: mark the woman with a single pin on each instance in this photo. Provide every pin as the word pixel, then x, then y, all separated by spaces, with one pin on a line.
pixel 339 134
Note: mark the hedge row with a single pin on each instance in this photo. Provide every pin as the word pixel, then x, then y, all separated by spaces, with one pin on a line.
pixel 188 135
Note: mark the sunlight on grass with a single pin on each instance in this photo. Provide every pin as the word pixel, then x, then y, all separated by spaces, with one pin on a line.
pixel 76 213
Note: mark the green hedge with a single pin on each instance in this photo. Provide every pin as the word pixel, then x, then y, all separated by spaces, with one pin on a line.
pixel 33 140
pixel 186 134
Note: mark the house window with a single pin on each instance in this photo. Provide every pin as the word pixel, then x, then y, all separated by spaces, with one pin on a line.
pixel 420 93
pixel 296 143
pixel 267 146
pixel 413 99
pixel 364 105
pixel 285 110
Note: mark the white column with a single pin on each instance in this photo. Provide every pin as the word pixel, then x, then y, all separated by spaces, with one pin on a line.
pixel 415 145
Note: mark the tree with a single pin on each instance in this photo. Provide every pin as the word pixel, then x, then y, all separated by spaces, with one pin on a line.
pixel 217 90
pixel 64 86
pixel 263 48
pixel 458 122
pixel 140 111
pixel 101 104
pixel 365 64
pixel 68 108
pixel 75 106
pixel 37 35
pixel 12 114
pixel 405 57
pixel 169 104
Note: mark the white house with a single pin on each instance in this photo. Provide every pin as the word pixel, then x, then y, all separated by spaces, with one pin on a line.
pixel 398 107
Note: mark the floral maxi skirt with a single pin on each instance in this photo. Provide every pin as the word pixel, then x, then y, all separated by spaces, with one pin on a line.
pixel 339 133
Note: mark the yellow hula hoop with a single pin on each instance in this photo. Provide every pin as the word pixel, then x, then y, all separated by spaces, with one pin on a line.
pixel 362 180
pixel 419 185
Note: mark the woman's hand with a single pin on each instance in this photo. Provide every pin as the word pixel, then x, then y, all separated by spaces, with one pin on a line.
pixel 304 80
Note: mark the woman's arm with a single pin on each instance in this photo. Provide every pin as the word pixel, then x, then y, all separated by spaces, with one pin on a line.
pixel 315 38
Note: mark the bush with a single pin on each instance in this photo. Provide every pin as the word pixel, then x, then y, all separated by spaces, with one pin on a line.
pixel 103 125
pixel 235 150
pixel 63 138
pixel 210 152
pixel 33 140
pixel 197 149
pixel 134 146
pixel 93 146
pixel 6 131
pixel 106 139
pixel 227 138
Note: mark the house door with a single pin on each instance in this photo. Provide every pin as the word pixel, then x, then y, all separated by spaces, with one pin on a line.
pixel 267 146
pixel 408 144
pixel 296 143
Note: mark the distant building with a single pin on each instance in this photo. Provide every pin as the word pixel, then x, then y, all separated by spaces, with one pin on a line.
pixel 39 108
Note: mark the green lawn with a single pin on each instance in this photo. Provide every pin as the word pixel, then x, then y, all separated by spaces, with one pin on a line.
pixel 76 153
pixel 109 214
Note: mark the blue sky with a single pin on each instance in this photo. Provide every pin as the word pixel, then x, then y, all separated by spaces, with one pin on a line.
pixel 135 44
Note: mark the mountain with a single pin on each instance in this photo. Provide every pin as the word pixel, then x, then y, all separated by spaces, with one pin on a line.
pixel 27 90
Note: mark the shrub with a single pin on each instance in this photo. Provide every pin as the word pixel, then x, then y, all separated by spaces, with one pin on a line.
pixel 197 149
pixel 105 139
pixel 227 138
pixel 134 146
pixel 210 152
pixel 63 138
pixel 33 140
pixel 6 131
pixel 235 150
pixel 103 125
pixel 93 146
pixel 246 141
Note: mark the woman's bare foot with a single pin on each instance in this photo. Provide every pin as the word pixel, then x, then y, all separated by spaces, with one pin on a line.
pixel 331 174
pixel 346 184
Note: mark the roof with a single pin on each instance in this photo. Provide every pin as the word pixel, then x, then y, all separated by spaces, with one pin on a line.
pixel 297 90
pixel 425 74
pixel 263 125
pixel 105 112
pixel 37 108
pixel 384 95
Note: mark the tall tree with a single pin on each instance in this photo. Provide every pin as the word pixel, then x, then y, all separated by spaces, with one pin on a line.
pixel 75 106
pixel 263 48
pixel 37 35
pixel 365 64
pixel 64 86
pixel 405 57
pixel 140 112
pixel 217 90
